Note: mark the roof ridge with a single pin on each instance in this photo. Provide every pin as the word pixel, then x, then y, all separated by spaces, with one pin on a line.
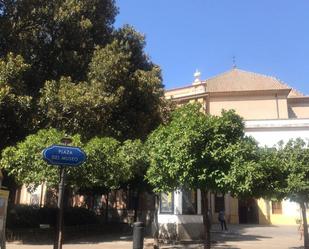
pixel 280 81
pixel 298 92
pixel 245 71
pixel 260 74
pixel 220 74
pixel 266 76
pixel 288 86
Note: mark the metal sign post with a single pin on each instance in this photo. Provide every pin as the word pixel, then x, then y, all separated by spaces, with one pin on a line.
pixel 62 156
pixel 59 231
pixel 4 195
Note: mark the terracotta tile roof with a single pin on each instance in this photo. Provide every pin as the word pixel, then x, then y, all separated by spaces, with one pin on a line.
pixel 295 93
pixel 240 80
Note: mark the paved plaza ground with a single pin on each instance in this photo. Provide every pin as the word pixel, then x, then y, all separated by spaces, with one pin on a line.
pixel 237 237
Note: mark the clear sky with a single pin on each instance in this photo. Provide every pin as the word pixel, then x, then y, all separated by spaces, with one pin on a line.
pixel 265 36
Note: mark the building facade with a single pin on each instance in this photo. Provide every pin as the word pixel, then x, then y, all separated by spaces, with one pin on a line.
pixel 272 111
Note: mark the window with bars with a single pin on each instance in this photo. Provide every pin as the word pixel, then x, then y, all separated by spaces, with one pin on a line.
pixel 219 203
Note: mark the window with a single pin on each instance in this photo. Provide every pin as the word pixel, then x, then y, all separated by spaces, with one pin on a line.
pixel 132 199
pixel 276 207
pixel 219 203
pixel 167 203
pixel 189 202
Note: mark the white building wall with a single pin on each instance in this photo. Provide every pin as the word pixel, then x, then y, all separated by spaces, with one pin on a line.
pixel 270 132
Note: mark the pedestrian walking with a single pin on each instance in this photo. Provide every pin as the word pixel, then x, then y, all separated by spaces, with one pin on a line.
pixel 221 218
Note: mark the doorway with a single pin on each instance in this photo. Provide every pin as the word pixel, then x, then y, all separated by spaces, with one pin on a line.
pixel 248 211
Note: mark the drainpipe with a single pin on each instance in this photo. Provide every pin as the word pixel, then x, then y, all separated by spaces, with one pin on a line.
pixel 277 105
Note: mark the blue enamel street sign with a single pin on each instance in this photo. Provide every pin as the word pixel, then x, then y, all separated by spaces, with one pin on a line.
pixel 64 155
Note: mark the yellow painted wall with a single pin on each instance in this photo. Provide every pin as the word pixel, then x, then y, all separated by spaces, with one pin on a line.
pixel 264 212
pixel 180 92
pixel 250 107
pixel 267 217
pixel 299 110
pixel 283 107
pixel 234 218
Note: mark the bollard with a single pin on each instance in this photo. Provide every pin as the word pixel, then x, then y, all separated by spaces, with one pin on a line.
pixel 138 235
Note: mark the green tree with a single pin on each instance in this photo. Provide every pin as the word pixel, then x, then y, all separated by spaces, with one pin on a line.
pixel 132 153
pixel 15 104
pixel 25 161
pixel 122 97
pixel 57 38
pixel 289 177
pixel 88 77
pixel 109 163
pixel 197 151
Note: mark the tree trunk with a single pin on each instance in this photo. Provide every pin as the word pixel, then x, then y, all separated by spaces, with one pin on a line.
pixel 136 206
pixel 156 224
pixel 42 195
pixel 206 219
pixel 106 208
pixel 305 224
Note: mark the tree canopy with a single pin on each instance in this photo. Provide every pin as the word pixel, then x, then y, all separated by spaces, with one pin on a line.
pixel 57 38
pixel 196 150
pixel 122 96
pixel 15 104
pixel 109 162
pixel 25 160
pixel 76 72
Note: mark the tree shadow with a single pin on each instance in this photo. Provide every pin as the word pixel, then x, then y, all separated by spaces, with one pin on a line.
pixel 73 235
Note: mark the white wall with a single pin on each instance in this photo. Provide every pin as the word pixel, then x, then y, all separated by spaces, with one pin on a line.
pixel 270 132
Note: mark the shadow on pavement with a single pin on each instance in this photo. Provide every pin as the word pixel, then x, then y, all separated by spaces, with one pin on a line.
pixel 96 239
pixel 82 239
pixel 231 236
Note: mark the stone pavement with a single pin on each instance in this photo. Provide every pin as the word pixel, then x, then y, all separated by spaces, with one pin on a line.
pixel 257 237
pixel 237 237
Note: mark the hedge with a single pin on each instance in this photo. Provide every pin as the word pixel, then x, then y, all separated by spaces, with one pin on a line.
pixel 24 216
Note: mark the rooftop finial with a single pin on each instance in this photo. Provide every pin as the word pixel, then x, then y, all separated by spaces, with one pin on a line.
pixel 197 76
pixel 234 62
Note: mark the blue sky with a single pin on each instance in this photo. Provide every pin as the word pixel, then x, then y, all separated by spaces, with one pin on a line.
pixel 266 36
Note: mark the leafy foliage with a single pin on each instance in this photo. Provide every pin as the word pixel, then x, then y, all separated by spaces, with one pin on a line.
pixel 56 38
pixel 288 170
pixel 15 105
pixel 121 98
pixel 83 75
pixel 109 162
pixel 25 160
pixel 200 151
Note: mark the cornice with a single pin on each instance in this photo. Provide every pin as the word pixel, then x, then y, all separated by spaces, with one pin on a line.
pixel 283 92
